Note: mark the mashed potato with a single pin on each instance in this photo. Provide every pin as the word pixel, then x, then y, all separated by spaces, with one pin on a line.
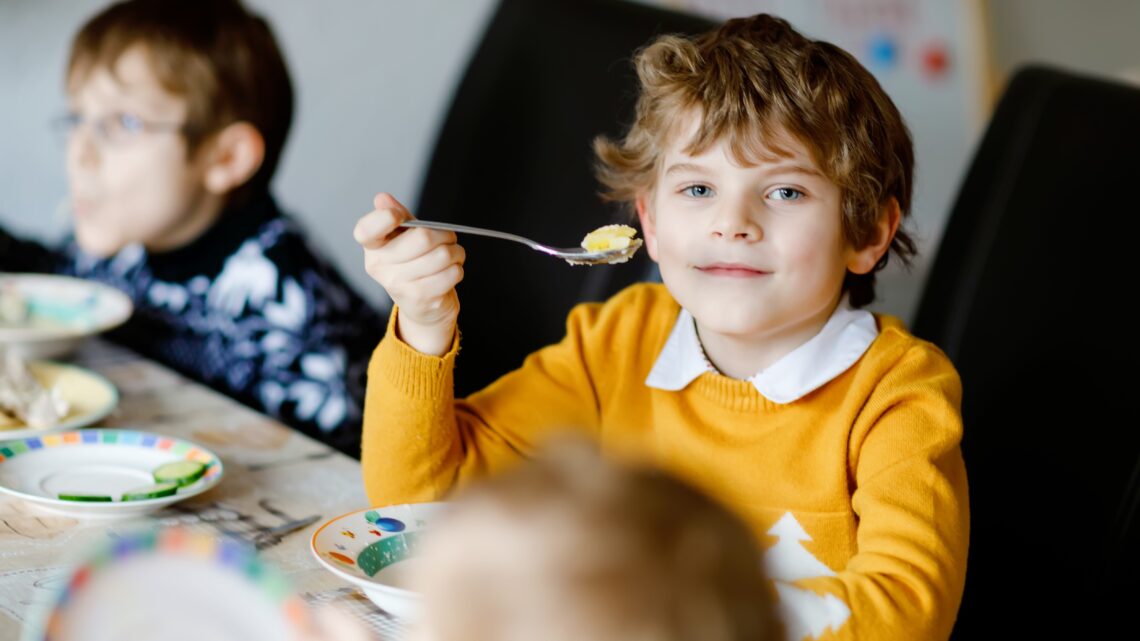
pixel 609 238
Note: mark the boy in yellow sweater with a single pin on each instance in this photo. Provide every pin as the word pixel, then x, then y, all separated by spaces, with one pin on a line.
pixel 769 173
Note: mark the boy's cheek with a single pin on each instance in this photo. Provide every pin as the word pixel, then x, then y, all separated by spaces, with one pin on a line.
pixel 651 246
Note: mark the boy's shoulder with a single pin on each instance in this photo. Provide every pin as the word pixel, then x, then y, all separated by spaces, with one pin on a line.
pixel 898 351
pixel 638 303
pixel 643 310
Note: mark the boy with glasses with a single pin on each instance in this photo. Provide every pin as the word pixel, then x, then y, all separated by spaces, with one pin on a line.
pixel 178 114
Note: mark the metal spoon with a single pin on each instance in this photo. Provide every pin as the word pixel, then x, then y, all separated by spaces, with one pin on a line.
pixel 572 255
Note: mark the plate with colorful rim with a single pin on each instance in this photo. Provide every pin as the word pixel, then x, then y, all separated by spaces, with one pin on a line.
pixel 58 312
pixel 373 549
pixel 171 583
pixel 98 462
pixel 89 396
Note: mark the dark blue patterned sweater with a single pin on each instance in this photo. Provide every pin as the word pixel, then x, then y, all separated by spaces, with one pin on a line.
pixel 247 308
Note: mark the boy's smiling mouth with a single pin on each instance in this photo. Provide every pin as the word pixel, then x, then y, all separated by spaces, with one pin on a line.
pixel 733 270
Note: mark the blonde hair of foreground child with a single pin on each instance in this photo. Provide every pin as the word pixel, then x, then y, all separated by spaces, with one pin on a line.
pixel 570 547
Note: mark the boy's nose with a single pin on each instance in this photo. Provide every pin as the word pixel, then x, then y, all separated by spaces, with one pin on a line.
pixel 737 222
pixel 82 149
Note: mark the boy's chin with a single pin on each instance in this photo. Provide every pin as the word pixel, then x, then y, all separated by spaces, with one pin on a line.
pixel 98 245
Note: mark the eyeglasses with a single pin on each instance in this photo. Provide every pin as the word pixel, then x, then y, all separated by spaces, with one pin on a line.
pixel 116 129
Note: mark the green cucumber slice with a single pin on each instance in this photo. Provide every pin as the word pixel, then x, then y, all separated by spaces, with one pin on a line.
pixel 156 491
pixel 85 498
pixel 181 472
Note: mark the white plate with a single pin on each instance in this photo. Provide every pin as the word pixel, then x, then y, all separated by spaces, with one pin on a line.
pixel 90 398
pixel 172 584
pixel 387 537
pixel 97 461
pixel 64 312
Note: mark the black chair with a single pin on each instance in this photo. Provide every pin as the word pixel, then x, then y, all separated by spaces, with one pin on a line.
pixel 1030 296
pixel 514 154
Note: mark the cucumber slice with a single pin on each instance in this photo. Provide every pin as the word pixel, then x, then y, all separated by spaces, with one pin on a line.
pixel 85 498
pixel 156 491
pixel 181 472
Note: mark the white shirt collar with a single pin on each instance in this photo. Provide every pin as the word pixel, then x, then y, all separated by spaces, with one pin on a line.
pixel 842 341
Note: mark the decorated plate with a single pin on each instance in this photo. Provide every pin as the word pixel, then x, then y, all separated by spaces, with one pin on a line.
pixel 374 548
pixel 46 316
pixel 172 584
pixel 90 398
pixel 98 462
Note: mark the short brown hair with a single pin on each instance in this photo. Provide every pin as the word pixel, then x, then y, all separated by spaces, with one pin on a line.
pixel 622 552
pixel 751 79
pixel 223 59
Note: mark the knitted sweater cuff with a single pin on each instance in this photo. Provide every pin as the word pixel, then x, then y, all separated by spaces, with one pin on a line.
pixel 413 373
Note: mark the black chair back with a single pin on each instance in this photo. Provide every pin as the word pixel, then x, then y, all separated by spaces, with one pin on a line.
pixel 514 154
pixel 1030 296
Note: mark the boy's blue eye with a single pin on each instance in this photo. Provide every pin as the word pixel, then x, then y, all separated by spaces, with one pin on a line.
pixel 786 193
pixel 697 191
pixel 130 123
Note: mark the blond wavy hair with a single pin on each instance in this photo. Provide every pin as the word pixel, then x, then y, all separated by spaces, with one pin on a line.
pixel 570 546
pixel 750 81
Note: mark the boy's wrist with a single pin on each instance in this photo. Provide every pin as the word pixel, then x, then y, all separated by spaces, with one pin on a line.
pixel 432 339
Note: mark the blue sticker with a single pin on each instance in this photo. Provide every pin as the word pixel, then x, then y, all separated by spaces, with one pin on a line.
pixel 390 525
pixel 883 51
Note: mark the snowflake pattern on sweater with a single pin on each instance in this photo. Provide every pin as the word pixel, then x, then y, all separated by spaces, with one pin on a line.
pixel 249 309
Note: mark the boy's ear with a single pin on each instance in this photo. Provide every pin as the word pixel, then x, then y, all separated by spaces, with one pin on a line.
pixel 862 261
pixel 235 155
pixel 648 225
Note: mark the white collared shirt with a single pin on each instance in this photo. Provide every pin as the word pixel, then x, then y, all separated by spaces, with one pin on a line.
pixel 839 344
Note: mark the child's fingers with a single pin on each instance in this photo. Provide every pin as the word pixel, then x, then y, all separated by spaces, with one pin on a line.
pixel 438 284
pixel 384 200
pixel 415 243
pixel 422 299
pixel 376 227
pixel 436 260
pixel 403 280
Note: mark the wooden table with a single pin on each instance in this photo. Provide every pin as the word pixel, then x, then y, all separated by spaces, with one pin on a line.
pixel 273 475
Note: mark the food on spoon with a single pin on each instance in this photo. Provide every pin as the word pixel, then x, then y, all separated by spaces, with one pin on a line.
pixel 154 491
pixel 616 243
pixel 182 473
pixel 608 238
pixel 23 399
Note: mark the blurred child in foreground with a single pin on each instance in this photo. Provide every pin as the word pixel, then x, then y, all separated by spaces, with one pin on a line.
pixel 571 547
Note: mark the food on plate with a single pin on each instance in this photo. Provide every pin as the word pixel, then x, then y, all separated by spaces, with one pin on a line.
pixel 182 473
pixel 14 308
pixel 84 498
pixel 153 491
pixel 168 478
pixel 24 401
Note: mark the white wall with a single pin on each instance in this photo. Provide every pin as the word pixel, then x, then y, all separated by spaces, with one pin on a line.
pixel 1099 37
pixel 373 80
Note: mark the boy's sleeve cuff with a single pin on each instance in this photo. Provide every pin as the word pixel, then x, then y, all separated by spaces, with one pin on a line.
pixel 417 375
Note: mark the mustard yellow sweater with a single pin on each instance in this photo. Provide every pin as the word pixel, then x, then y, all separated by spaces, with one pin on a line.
pixel 857 491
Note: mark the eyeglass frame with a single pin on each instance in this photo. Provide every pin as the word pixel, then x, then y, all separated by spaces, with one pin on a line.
pixel 131 126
